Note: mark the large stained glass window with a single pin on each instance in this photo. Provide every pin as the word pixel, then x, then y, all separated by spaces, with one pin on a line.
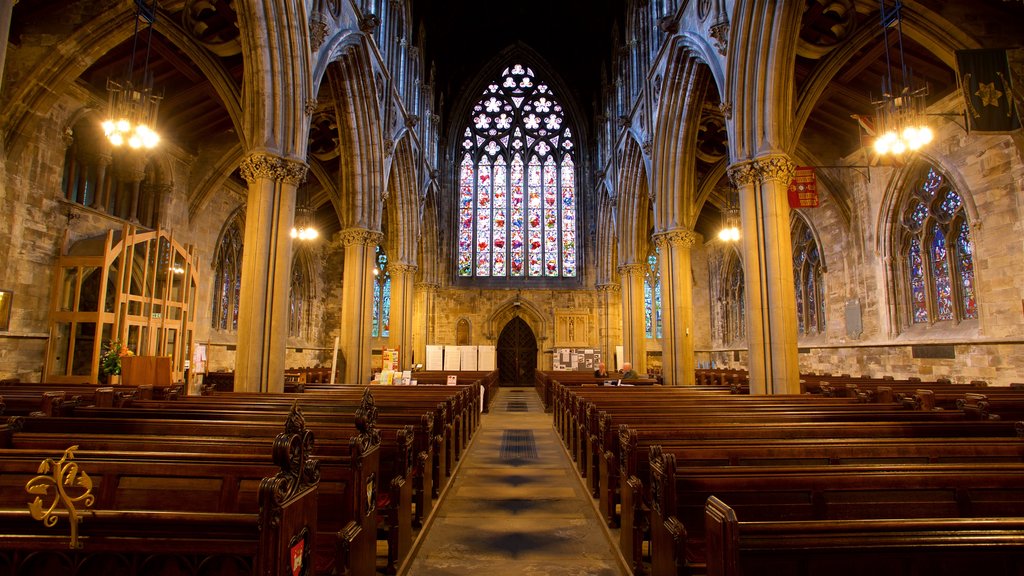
pixel 652 296
pixel 227 276
pixel 381 326
pixel 937 253
pixel 517 204
pixel 808 278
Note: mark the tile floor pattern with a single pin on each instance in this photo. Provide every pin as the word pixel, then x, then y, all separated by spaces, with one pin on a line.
pixel 516 505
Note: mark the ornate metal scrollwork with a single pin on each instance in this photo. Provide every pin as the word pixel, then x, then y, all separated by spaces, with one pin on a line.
pixel 61 476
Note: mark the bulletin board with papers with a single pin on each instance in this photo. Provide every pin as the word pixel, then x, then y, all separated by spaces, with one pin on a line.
pixel 576 359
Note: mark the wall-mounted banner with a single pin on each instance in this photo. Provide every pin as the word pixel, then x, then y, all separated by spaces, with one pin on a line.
pixel 803 189
pixel 984 77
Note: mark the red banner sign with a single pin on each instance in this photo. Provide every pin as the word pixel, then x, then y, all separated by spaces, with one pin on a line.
pixel 297 551
pixel 803 189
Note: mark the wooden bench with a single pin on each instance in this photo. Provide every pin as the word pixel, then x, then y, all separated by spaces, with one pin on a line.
pixel 348 455
pixel 231 516
pixel 992 546
pixel 799 493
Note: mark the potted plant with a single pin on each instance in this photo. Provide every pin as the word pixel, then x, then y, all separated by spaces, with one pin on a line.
pixel 110 360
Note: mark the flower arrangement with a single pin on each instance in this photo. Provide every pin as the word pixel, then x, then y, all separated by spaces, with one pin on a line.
pixel 110 358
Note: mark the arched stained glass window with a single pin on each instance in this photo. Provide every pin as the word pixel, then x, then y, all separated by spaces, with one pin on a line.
pixel 652 296
pixel 517 204
pixel 808 279
pixel 227 276
pixel 381 326
pixel 735 303
pixel 935 241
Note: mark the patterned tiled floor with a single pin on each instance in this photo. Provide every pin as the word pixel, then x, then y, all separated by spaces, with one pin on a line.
pixel 516 505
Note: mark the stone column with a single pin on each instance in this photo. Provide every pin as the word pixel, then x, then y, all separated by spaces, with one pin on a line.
pixel 266 271
pixel 676 305
pixel 608 321
pixel 402 278
pixel 357 303
pixel 423 311
pixel 633 345
pixel 768 273
pixel 6 8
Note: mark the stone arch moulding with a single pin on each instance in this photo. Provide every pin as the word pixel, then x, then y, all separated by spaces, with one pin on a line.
pixel 510 308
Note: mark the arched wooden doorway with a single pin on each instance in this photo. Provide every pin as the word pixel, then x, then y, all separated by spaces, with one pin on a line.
pixel 517 354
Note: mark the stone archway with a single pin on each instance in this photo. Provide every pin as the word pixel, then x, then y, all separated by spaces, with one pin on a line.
pixel 516 354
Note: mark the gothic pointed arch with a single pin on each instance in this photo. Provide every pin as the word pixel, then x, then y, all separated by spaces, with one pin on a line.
pixel 402 203
pixel 516 306
pixel 303 293
pixel 808 277
pixel 227 275
pixel 687 84
pixel 359 116
pixel 930 251
pixel 633 201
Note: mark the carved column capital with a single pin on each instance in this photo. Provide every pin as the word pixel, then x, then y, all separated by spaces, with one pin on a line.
pixel 720 34
pixel 264 166
pixel 743 174
pixel 427 286
pixel 402 267
pixel 778 168
pixel 317 32
pixel 631 269
pixel 611 288
pixel 368 23
pixel 360 237
pixel 676 237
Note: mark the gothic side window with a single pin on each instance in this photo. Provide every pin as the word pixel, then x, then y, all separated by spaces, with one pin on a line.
pixel 652 296
pixel 936 253
pixel 299 297
pixel 735 304
pixel 227 279
pixel 381 325
pixel 808 279
pixel 517 204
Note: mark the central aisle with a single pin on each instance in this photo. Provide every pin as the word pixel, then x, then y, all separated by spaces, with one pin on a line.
pixel 516 505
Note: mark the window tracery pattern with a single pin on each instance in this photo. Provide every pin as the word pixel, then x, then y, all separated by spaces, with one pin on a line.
pixel 936 253
pixel 652 296
pixel 227 278
pixel 517 205
pixel 381 324
pixel 808 280
pixel 298 299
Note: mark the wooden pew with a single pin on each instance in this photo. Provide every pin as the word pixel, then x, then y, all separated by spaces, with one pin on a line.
pixel 993 546
pixel 635 465
pixel 230 516
pixel 841 492
pixel 349 462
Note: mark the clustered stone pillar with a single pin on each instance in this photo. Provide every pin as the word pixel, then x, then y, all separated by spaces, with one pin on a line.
pixel 608 319
pixel 633 344
pixel 422 319
pixel 403 277
pixel 768 273
pixel 266 271
pixel 676 305
pixel 357 302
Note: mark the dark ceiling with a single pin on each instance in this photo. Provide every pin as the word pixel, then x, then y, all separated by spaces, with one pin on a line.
pixel 573 36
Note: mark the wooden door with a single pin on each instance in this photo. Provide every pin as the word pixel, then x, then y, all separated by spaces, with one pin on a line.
pixel 517 354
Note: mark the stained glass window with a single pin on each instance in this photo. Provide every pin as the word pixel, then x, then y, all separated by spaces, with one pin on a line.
pixel 517 183
pixel 227 279
pixel 938 256
pixel 381 323
pixel 652 296
pixel 735 305
pixel 297 299
pixel 808 279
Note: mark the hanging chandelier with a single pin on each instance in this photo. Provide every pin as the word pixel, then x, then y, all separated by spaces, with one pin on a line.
pixel 730 231
pixel 132 107
pixel 304 228
pixel 899 115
